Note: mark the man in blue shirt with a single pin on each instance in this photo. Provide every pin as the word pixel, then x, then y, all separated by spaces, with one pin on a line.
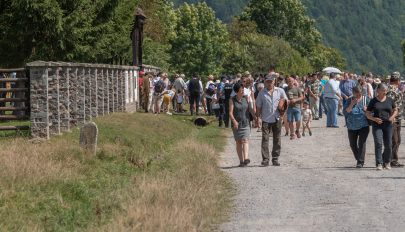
pixel 268 105
pixel 346 86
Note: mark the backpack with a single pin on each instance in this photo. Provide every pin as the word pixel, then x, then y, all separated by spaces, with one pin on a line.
pixel 194 86
pixel 228 90
pixel 211 89
pixel 159 86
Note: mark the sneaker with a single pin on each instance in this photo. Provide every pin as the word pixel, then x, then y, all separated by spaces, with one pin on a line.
pixel 247 161
pixel 379 167
pixel 387 166
pixel 359 165
pixel 292 137
pixel 303 134
pixel 242 164
pixel 275 163
pixel 310 133
pixel 265 163
pixel 395 164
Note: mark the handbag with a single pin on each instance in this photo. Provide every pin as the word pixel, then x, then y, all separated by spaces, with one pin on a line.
pixel 215 106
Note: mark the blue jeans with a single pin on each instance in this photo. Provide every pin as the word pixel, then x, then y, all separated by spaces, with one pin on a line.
pixel 383 135
pixel 322 106
pixel 332 108
pixel 293 115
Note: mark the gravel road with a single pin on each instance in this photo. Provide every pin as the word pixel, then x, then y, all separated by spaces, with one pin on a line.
pixel 316 188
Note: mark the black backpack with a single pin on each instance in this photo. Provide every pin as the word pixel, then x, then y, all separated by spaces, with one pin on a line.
pixel 159 86
pixel 228 88
pixel 194 86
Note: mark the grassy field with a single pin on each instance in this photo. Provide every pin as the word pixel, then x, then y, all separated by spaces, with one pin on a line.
pixel 151 173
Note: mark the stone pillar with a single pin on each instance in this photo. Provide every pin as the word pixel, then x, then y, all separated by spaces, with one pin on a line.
pixel 81 96
pixel 87 82
pixel 116 91
pixel 94 90
pixel 39 99
pixel 121 91
pixel 111 90
pixel 100 91
pixel 53 99
pixel 64 97
pixel 107 91
pixel 73 96
pixel 126 77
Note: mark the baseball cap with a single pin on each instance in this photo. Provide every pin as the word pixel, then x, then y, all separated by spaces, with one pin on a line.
pixel 395 76
pixel 271 77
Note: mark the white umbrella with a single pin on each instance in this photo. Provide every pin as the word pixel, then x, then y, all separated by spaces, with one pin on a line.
pixel 329 70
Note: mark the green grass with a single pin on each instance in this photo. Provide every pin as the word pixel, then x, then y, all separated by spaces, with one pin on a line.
pixel 55 186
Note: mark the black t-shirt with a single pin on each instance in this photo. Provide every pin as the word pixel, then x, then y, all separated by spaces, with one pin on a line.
pixel 382 110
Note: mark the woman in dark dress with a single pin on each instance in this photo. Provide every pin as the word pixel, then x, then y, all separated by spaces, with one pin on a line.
pixel 239 108
pixel 382 111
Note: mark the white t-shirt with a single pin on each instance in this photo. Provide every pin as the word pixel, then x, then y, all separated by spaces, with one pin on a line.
pixel 306 114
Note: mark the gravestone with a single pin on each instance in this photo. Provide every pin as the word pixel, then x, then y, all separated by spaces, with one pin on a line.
pixel 88 137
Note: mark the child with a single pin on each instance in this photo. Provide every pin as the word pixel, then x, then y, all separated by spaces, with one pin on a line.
pixel 306 119
pixel 167 98
pixel 180 99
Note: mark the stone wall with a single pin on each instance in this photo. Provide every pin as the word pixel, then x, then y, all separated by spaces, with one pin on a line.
pixel 66 95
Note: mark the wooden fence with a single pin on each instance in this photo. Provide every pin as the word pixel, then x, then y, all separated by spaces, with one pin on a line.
pixel 14 97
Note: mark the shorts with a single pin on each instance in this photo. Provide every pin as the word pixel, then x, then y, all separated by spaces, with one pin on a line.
pixel 166 99
pixel 293 115
pixel 157 98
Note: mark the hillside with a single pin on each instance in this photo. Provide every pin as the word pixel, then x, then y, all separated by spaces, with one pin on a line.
pixel 368 33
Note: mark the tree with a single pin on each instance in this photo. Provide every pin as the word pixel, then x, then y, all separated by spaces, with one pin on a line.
pixel 268 50
pixel 67 30
pixel 158 31
pixel 285 19
pixel 201 41
pixel 324 56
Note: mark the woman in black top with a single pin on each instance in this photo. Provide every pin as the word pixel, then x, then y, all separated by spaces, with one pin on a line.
pixel 382 111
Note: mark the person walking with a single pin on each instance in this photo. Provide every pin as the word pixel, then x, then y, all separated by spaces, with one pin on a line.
pixel 382 112
pixel 396 95
pixel 332 97
pixel 227 91
pixel 314 96
pixel 146 91
pixel 195 90
pixel 269 102
pixel 239 108
pixel 295 98
pixel 209 91
pixel 358 129
pixel 346 85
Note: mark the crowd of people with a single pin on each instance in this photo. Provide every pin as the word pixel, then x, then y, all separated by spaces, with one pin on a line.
pixel 269 102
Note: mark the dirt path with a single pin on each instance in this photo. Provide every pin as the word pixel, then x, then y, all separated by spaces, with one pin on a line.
pixel 316 188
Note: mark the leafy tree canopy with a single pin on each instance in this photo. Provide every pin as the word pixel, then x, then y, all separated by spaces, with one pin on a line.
pixel 200 42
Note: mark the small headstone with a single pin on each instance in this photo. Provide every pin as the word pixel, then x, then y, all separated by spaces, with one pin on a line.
pixel 88 137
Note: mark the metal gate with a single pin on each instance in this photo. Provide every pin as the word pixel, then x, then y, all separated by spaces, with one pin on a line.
pixel 14 98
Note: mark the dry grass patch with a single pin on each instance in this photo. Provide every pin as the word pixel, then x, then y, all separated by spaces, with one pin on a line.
pixel 190 196
pixel 150 174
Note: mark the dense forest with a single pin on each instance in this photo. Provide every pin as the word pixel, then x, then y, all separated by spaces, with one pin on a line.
pixel 224 9
pixel 368 33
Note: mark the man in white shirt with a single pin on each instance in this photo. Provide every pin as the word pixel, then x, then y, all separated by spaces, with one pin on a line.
pixel 332 97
